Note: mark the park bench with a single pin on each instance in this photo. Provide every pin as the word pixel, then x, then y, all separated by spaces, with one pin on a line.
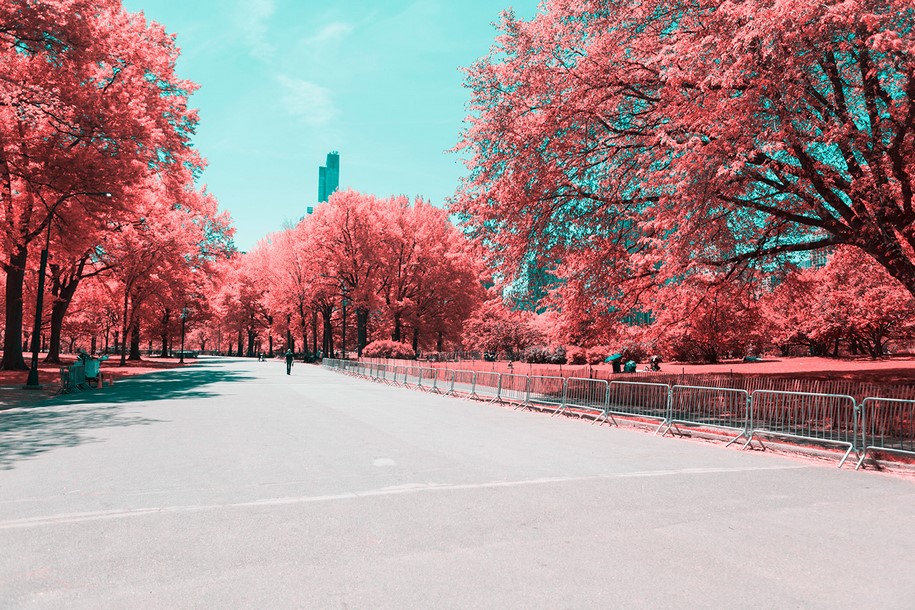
pixel 184 354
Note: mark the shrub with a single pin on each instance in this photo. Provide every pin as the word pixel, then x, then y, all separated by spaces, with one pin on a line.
pixel 543 354
pixel 598 353
pixel 576 355
pixel 389 349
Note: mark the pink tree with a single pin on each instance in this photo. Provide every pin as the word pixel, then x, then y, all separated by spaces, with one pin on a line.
pixel 89 105
pixel 626 143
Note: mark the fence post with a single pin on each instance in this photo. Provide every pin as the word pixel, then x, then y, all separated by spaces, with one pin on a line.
pixel 565 394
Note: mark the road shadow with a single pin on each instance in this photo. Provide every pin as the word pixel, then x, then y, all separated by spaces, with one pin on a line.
pixel 28 433
pixel 171 384
pixel 66 421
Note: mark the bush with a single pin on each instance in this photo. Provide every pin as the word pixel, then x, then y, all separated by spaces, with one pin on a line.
pixel 598 353
pixel 543 354
pixel 576 355
pixel 389 349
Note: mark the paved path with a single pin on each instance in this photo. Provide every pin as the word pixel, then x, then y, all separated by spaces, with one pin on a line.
pixel 228 484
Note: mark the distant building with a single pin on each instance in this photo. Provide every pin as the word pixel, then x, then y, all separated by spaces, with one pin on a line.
pixel 329 177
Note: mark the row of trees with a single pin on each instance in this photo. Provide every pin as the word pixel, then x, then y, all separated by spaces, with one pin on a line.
pixel 665 161
pixel 850 304
pixel 359 269
pixel 98 173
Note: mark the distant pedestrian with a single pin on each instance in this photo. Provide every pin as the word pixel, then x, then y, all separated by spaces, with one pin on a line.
pixel 289 359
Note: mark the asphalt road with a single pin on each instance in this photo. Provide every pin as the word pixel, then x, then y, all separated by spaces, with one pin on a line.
pixel 229 484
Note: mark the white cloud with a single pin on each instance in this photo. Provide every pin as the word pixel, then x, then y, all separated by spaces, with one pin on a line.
pixel 331 32
pixel 251 18
pixel 312 104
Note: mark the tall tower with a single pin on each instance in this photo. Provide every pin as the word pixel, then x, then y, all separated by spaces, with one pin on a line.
pixel 329 177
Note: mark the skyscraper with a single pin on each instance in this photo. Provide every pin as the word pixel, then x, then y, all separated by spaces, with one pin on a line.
pixel 329 177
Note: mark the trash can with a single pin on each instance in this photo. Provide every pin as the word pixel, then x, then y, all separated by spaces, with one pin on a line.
pixel 616 360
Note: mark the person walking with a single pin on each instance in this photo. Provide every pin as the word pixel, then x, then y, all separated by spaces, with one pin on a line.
pixel 289 359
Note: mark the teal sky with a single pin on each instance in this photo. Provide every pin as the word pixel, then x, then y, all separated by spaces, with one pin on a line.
pixel 284 82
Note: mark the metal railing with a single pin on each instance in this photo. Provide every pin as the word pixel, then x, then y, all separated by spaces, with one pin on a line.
pixel 822 418
pixel 462 383
pixel 887 425
pixel 586 395
pixel 487 386
pixel 723 408
pixel 639 400
pixel 72 378
pixel 546 393
pixel 876 425
pixel 514 388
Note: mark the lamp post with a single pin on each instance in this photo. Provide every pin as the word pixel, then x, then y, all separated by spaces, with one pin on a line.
pixel 32 382
pixel 183 323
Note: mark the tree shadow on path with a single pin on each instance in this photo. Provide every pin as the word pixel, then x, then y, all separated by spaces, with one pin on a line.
pixel 172 384
pixel 65 421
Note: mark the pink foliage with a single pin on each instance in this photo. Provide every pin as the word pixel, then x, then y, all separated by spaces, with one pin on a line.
pixel 388 349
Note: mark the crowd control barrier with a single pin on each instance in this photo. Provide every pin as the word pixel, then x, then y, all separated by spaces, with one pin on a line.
pixel 823 418
pixel 462 383
pixel 887 425
pixel 724 408
pixel 586 395
pixel 640 400
pixel 514 388
pixel 876 425
pixel 486 386
pixel 546 393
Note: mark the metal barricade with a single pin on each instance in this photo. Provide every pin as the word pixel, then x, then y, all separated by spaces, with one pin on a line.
pixel 78 376
pixel 412 376
pixel 486 385
pixel 385 374
pixel 514 388
pixel 66 385
pixel 887 424
pixel 586 395
pixel 822 418
pixel 639 400
pixel 399 375
pixel 709 408
pixel 442 381
pixel 462 383
pixel 426 379
pixel 546 393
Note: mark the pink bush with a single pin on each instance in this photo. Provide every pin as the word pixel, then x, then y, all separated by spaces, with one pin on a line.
pixel 576 355
pixel 389 349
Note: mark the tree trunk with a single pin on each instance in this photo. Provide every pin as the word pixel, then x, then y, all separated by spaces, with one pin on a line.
pixel 270 345
pixel 314 331
pixel 398 328
pixel 58 311
pixel 135 341
pixel 362 323
pixel 251 336
pixel 12 336
pixel 328 339
pixel 440 342
pixel 415 340
pixel 166 318
pixel 123 361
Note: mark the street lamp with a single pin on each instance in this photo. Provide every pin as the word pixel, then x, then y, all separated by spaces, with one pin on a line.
pixel 183 323
pixel 32 382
